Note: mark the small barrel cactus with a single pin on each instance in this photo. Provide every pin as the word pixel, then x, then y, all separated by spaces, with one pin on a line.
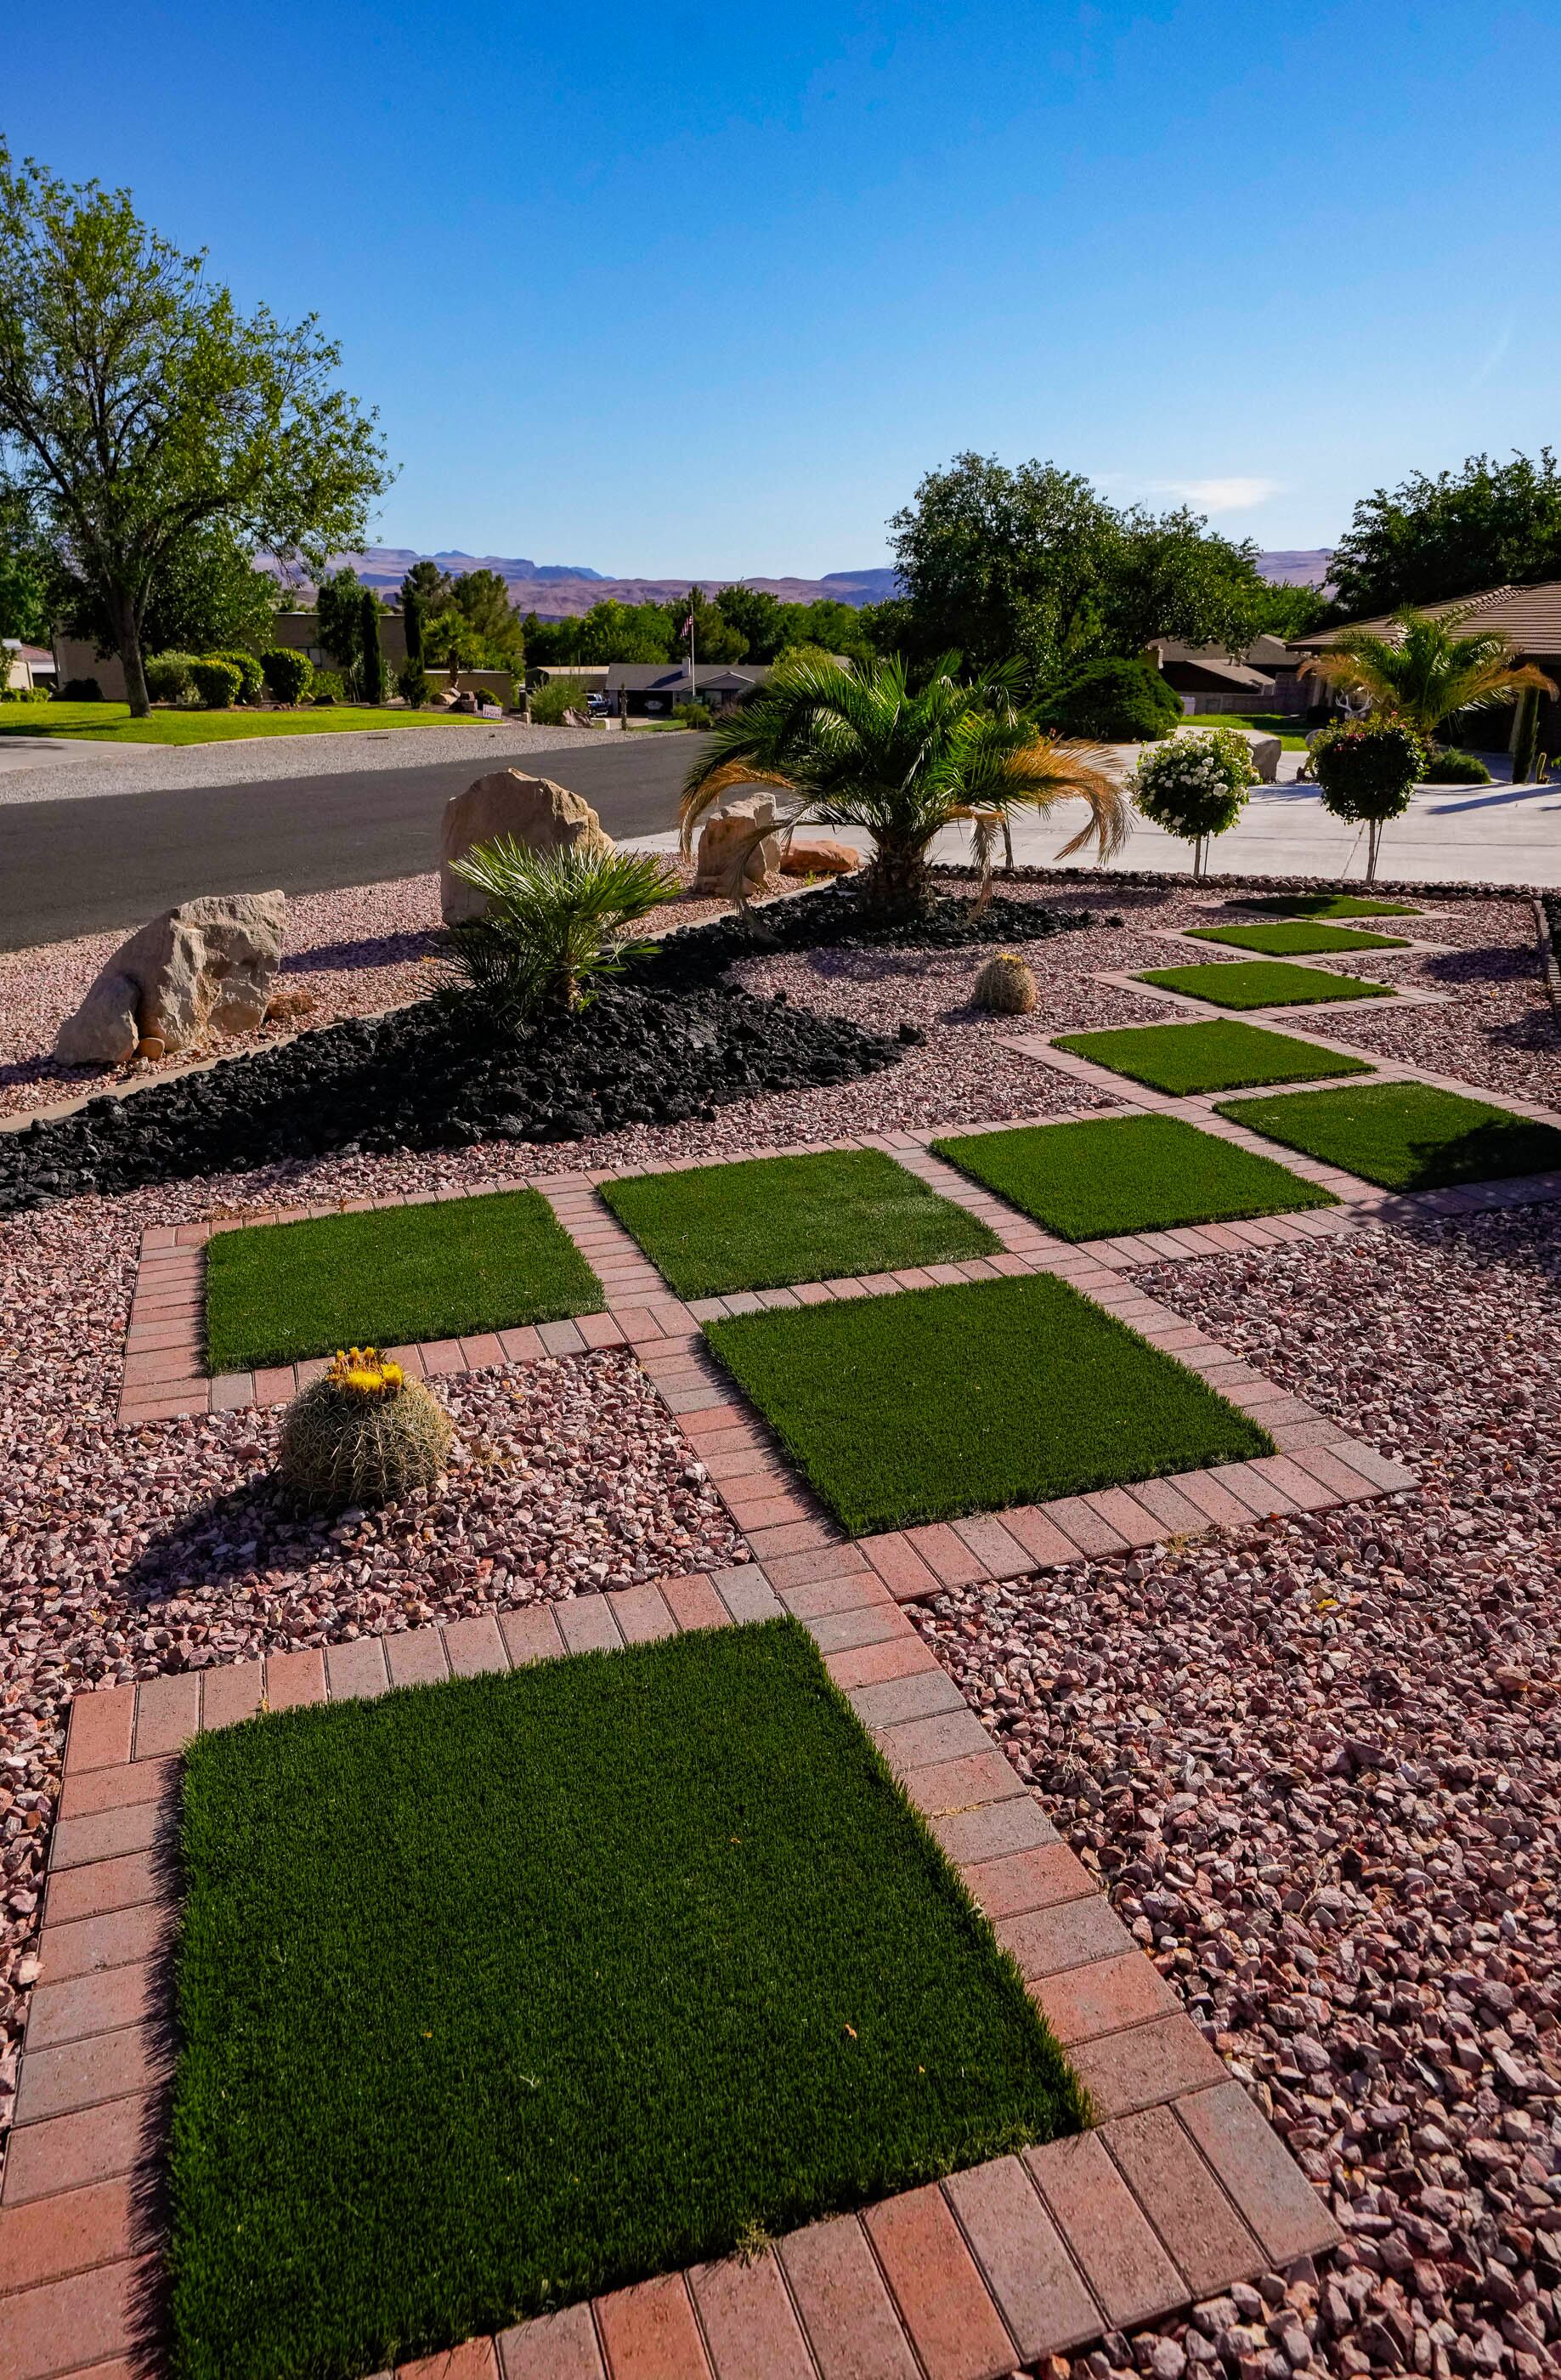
pixel 362 1435
pixel 1006 986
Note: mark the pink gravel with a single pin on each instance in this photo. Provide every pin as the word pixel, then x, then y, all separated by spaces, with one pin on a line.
pixel 1318 1766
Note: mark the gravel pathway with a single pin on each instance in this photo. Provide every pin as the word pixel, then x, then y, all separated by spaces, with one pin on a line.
pixel 244 761
pixel 1319 1767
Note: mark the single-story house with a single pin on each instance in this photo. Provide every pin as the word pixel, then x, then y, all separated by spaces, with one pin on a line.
pixel 28 668
pixel 653 689
pixel 1529 617
pixel 1209 678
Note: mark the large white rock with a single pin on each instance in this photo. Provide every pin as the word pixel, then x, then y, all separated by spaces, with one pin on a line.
pixel 1264 750
pixel 531 811
pixel 729 836
pixel 203 968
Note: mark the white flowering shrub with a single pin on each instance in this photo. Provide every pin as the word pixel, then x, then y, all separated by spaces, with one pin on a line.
pixel 1194 785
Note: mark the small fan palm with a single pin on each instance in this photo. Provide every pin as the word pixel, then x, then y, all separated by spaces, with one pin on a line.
pixel 1427 674
pixel 862 750
pixel 555 919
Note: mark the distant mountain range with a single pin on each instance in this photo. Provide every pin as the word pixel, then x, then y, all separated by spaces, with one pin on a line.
pixel 560 590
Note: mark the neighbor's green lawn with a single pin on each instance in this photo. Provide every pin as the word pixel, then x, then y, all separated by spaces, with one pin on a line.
pixel 1264 983
pixel 1127 1174
pixel 933 1403
pixel 1301 939
pixel 1282 723
pixel 774 1220
pixel 448 1269
pixel 1328 904
pixel 1221 1055
pixel 110 723
pixel 1405 1135
pixel 498 1993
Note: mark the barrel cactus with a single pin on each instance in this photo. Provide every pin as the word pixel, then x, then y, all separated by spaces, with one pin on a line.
pixel 363 1434
pixel 1006 986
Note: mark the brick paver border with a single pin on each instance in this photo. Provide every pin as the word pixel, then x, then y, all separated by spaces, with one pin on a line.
pixel 1179 2190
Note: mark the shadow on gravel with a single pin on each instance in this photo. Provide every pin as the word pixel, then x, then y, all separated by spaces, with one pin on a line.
pixel 374 950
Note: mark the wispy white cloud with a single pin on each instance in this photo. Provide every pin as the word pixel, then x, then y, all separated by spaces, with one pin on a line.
pixel 1497 353
pixel 1236 494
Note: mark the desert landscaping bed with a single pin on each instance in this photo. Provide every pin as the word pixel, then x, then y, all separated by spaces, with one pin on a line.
pixel 1319 1766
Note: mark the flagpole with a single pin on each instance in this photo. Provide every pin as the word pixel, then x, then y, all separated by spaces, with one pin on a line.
pixel 693 680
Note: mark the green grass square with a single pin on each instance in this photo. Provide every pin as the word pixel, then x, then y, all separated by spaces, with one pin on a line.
pixel 494 1994
pixel 1220 1055
pixel 445 1270
pixel 1405 1135
pixel 932 1402
pixel 1330 904
pixel 1300 940
pixel 774 1219
pixel 1091 1180
pixel 1264 983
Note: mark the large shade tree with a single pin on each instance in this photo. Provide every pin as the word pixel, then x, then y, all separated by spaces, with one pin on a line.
pixel 1434 537
pixel 865 749
pixel 138 404
pixel 1427 672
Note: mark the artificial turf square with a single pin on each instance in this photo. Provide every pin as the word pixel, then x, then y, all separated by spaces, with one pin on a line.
pixel 1092 1179
pixel 1405 1135
pixel 774 1219
pixel 1264 983
pixel 447 1269
pixel 1300 940
pixel 1330 904
pixel 933 1403
pixel 1220 1055
pixel 494 1994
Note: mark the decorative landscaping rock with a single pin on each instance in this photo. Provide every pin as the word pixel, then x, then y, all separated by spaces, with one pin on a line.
pixel 532 810
pixel 204 967
pixel 1264 750
pixel 819 859
pixel 728 842
pixel 1006 986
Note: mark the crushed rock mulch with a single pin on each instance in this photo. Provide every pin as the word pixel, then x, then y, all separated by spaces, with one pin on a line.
pixel 1318 1767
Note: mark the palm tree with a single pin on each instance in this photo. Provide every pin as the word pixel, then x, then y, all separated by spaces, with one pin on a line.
pixel 860 749
pixel 1426 675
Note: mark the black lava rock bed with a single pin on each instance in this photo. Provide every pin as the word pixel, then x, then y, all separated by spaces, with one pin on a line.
pixel 666 1042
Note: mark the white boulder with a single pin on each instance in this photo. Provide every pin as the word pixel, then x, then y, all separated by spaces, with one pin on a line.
pixel 203 968
pixel 532 812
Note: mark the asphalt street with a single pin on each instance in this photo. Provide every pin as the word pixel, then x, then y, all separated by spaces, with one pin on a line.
pixel 78 867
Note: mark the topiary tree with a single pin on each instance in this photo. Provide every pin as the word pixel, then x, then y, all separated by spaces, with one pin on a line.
pixel 288 674
pixel 251 674
pixel 413 684
pixel 1195 786
pixel 1366 770
pixel 216 682
pixel 1111 702
pixel 371 668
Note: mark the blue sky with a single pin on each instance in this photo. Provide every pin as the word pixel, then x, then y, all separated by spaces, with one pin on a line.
pixel 695 289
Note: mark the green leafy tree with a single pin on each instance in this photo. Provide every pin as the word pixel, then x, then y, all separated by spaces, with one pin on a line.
pixel 715 639
pixel 204 593
pixel 1428 672
pixel 137 404
pixel 339 606
pixel 1172 576
pixel 483 600
pixel 1430 538
pixel 1289 611
pixel 433 588
pixel 26 608
pixel 863 749
pixel 758 619
pixel 371 661
pixel 412 617
pixel 611 631
pixel 550 643
pixel 997 563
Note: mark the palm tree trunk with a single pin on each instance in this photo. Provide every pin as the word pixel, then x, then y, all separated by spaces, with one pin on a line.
pixel 895 883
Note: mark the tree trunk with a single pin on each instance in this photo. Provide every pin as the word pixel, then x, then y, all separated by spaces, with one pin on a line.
pixel 127 636
pixel 897 881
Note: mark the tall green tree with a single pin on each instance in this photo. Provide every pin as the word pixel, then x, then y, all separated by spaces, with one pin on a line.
pixel 205 594
pixel 1433 537
pixel 372 665
pixel 339 607
pixel 483 600
pixel 138 404
pixel 431 586
pixel 715 637
pixel 26 607
pixel 1172 576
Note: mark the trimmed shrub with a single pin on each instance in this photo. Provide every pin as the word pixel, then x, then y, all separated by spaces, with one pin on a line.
pixel 1195 786
pixel 413 684
pixel 216 682
pixel 328 685
pixel 363 1434
pixel 288 674
pixel 252 676
pixel 371 666
pixel 1111 702
pixel 550 702
pixel 1366 770
pixel 1455 767
pixel 79 689
pixel 168 678
pixel 693 714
